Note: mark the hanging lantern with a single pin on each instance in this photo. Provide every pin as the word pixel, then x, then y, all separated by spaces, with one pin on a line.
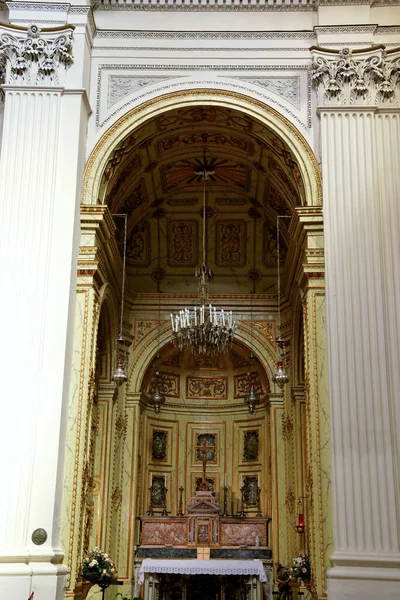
pixel 252 398
pixel 280 377
pixel 157 399
pixel 119 375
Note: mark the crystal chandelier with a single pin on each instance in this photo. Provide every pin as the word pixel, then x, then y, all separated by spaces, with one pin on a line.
pixel 203 329
pixel 280 377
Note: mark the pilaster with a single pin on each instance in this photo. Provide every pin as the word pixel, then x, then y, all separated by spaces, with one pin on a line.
pixel 353 90
pixel 41 161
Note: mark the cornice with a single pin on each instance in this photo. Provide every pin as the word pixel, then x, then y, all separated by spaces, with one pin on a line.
pixel 208 7
pixel 40 6
pixel 191 35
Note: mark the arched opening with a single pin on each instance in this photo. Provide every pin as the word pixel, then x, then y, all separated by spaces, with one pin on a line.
pixel 145 167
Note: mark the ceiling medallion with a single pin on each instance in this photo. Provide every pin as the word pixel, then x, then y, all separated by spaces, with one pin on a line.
pixel 203 329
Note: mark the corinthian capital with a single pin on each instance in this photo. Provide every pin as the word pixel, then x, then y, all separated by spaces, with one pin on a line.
pixel 30 56
pixel 367 77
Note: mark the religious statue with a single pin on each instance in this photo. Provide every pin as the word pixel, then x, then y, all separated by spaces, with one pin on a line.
pixel 283 581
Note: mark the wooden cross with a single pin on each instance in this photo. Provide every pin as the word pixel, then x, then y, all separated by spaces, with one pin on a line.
pixel 203 449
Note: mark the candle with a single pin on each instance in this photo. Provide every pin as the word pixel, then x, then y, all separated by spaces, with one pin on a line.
pixel 172 322
pixel 301 520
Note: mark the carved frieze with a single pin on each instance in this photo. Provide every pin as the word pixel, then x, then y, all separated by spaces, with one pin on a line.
pixel 33 57
pixel 182 243
pixel 205 362
pixel 207 387
pixel 370 77
pixel 231 243
pixel 287 88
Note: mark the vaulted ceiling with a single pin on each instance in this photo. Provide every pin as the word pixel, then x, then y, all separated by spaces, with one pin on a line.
pixel 151 177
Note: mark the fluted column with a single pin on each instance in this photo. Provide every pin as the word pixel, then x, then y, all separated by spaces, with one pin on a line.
pixel 40 154
pixel 366 554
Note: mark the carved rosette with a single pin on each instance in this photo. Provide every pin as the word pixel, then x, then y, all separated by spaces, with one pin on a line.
pixel 36 57
pixel 368 77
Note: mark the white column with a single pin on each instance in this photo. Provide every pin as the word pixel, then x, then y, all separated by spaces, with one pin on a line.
pixel 366 555
pixel 40 155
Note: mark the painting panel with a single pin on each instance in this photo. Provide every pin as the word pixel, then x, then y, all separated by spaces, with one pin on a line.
pixel 250 445
pixel 210 483
pixel 250 490
pixel 159 445
pixel 157 490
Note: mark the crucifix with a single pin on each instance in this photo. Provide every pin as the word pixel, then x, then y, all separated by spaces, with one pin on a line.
pixel 203 450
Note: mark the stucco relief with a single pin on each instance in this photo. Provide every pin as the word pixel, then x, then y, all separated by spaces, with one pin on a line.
pixel 369 77
pixel 182 243
pixel 207 387
pixel 35 58
pixel 287 88
pixel 120 86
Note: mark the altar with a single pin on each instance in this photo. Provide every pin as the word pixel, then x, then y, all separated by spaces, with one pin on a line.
pixel 169 579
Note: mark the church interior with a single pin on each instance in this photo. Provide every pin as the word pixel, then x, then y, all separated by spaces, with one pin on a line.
pixel 200 249
pixel 264 456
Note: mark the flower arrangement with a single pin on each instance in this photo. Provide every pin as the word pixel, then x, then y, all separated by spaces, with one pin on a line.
pixel 301 567
pixel 97 563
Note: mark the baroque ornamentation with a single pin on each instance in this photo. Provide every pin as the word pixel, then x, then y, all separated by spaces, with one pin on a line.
pixel 36 58
pixel 242 384
pixel 182 237
pixel 169 384
pixel 231 244
pixel 116 498
pixel 370 77
pixel 207 387
pixel 287 426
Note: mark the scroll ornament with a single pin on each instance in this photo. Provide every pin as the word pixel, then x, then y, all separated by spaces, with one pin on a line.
pixel 371 77
pixel 34 59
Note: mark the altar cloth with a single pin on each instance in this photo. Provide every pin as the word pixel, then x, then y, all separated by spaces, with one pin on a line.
pixel 202 567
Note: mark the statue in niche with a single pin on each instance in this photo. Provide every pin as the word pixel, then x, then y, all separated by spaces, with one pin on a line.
pixel 250 490
pixel 283 581
pixel 250 445
pixel 159 449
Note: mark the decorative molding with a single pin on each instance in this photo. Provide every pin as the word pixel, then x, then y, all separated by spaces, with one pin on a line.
pixel 207 35
pixel 287 88
pixel 40 6
pixel 120 86
pixel 305 124
pixel 205 5
pixel 334 29
pixel 368 77
pixel 36 58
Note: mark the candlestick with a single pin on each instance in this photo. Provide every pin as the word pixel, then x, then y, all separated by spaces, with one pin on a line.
pixel 225 511
pixel 180 511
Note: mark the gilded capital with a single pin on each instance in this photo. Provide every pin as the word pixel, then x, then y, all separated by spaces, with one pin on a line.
pixel 31 56
pixel 369 77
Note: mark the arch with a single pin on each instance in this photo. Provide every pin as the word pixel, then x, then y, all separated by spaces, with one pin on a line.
pixel 256 109
pixel 155 340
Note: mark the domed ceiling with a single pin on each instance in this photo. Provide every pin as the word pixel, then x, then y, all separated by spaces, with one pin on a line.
pixel 152 178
